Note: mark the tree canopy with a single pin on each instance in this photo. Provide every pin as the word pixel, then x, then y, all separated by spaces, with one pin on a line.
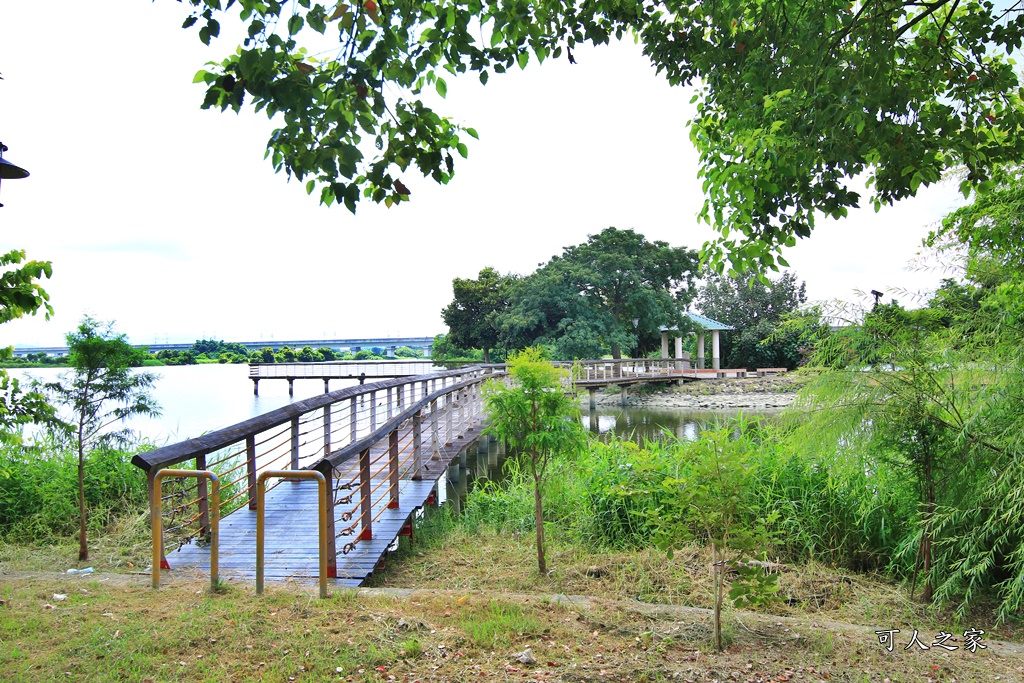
pixel 795 100
pixel 472 316
pixel 755 310
pixel 584 301
pixel 20 294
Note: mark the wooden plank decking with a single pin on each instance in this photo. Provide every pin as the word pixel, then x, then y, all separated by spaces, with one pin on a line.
pixel 291 552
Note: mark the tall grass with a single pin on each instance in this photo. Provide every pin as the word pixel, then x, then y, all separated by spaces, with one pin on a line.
pixel 39 490
pixel 852 513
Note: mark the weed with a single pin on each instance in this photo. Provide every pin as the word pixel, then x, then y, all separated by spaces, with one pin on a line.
pixel 498 624
pixel 410 648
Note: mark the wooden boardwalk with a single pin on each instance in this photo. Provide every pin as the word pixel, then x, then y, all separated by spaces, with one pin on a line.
pixel 291 552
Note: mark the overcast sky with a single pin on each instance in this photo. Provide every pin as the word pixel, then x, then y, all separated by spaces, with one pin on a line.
pixel 167 219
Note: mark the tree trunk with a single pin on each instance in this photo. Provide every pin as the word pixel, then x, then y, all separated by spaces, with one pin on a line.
pixel 538 511
pixel 83 543
pixel 487 356
pixel 717 568
pixel 616 351
pixel 542 565
pixel 926 543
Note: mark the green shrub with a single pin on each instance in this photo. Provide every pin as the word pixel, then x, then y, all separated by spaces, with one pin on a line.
pixel 38 490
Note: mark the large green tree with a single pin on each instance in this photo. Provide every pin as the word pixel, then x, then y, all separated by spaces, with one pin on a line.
pixel 584 302
pixel 755 310
pixel 101 391
pixel 795 99
pixel 472 316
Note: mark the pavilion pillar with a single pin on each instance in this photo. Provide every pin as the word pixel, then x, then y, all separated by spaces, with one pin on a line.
pixel 700 350
pixel 679 353
pixel 716 361
pixel 664 343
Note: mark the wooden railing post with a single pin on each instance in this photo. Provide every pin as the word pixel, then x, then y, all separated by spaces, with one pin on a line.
pixel 417 444
pixel 202 495
pixel 366 504
pixel 373 411
pixel 250 469
pixel 295 442
pixel 390 409
pixel 435 438
pixel 401 396
pixel 353 414
pixel 393 468
pixel 327 430
pixel 449 409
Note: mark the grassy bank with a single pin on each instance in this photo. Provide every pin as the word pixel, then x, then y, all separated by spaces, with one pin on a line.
pixel 109 630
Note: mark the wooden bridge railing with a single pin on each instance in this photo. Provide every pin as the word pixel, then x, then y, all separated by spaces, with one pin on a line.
pixel 625 368
pixel 343 369
pixel 365 475
pixel 381 423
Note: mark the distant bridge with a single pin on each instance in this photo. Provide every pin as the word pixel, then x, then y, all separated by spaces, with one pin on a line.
pixel 388 344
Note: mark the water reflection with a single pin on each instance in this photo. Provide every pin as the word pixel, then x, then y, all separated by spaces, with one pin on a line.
pixel 484 459
pixel 480 461
pixel 646 424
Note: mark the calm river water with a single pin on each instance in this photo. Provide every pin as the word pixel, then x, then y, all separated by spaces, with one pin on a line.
pixel 196 399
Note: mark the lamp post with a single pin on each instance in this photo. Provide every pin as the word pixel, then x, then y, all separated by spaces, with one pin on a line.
pixel 9 171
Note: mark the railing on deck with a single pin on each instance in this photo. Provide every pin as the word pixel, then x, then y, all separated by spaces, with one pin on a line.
pixel 627 368
pixel 346 369
pixel 367 482
pixel 360 438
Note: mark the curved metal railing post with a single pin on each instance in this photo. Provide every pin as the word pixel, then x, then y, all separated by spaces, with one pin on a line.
pixel 158 520
pixel 261 492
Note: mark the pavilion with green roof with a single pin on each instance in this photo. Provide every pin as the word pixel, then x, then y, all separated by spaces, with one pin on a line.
pixel 704 324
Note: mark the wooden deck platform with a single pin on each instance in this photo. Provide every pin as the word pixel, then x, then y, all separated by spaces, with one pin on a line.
pixel 291 552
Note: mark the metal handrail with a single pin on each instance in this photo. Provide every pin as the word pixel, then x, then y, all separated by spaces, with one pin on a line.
pixel 261 485
pixel 158 520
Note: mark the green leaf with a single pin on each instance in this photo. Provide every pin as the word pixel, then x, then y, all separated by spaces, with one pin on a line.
pixel 295 24
pixel 441 86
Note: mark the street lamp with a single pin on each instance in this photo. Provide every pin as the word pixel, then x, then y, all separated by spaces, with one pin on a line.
pixel 9 171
